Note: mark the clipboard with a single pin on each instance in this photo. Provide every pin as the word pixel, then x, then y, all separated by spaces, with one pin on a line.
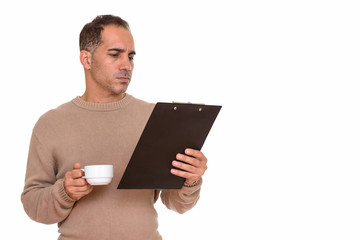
pixel 171 128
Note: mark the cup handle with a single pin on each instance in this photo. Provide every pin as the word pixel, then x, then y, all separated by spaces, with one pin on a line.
pixel 82 169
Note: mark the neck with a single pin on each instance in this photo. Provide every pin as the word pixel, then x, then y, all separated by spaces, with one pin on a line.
pixel 101 99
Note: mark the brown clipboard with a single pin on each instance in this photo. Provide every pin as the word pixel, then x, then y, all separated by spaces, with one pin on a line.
pixel 171 128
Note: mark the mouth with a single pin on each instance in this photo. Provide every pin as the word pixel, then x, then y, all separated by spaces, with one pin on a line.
pixel 123 79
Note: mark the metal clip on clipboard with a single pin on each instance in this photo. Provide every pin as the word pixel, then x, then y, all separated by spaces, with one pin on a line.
pixel 200 104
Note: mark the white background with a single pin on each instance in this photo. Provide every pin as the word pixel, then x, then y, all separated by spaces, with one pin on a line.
pixel 284 151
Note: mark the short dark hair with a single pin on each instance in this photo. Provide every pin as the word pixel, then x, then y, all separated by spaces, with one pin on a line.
pixel 90 35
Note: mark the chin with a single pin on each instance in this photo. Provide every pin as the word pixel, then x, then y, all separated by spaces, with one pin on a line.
pixel 119 91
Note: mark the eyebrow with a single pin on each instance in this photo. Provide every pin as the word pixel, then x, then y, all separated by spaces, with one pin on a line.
pixel 120 50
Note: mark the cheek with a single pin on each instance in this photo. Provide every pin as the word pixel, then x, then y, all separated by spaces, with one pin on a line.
pixel 101 73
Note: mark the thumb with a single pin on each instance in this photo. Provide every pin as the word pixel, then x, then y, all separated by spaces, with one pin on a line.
pixel 77 166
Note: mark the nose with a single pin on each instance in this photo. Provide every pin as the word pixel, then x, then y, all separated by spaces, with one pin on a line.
pixel 126 64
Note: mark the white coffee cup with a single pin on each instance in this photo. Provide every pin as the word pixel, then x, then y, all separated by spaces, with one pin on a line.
pixel 98 174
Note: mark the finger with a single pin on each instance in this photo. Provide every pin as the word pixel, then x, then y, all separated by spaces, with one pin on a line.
pixel 183 174
pixel 195 153
pixel 185 167
pixel 190 160
pixel 80 190
pixel 77 195
pixel 77 173
pixel 77 166
pixel 79 182
pixel 84 189
pixel 71 183
pixel 89 190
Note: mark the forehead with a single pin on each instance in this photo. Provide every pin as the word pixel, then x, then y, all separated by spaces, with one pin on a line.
pixel 117 36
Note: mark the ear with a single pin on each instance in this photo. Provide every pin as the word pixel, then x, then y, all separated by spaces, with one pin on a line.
pixel 85 59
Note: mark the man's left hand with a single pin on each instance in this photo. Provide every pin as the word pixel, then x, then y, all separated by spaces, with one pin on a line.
pixel 192 165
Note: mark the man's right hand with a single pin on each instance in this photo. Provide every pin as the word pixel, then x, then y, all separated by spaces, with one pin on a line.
pixel 76 186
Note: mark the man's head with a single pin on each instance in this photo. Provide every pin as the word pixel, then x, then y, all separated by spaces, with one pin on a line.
pixel 90 35
pixel 106 53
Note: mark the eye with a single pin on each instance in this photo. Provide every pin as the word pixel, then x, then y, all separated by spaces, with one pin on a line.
pixel 131 58
pixel 114 55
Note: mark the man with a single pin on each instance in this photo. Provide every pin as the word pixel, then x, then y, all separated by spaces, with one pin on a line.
pixel 100 127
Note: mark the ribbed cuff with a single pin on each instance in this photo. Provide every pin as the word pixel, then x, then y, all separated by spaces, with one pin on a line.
pixel 197 182
pixel 192 189
pixel 63 197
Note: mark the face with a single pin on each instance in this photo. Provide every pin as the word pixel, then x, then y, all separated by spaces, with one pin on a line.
pixel 112 62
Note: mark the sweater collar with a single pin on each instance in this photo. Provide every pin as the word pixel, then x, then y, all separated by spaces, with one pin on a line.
pixel 102 107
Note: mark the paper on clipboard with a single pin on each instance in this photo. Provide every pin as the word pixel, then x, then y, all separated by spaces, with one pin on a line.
pixel 171 128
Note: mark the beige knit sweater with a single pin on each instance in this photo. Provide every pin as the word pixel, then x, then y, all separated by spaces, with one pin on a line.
pixel 94 133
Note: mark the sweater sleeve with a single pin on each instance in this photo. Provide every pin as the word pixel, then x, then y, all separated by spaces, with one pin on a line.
pixel 44 197
pixel 183 199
